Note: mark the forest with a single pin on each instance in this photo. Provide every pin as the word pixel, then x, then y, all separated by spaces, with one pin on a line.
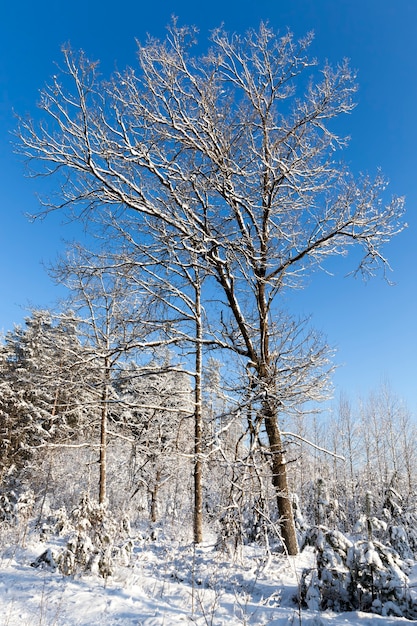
pixel 94 461
pixel 171 395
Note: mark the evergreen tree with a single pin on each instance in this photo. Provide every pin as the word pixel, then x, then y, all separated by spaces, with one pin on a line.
pixel 45 397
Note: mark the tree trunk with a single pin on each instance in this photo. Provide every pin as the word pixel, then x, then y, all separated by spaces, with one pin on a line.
pixel 103 434
pixel 198 421
pixel 154 496
pixel 269 411
pixel 280 483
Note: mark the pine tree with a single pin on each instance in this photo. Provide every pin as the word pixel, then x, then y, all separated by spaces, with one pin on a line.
pixel 44 383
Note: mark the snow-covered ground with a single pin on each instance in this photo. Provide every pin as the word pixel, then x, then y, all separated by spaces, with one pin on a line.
pixel 166 584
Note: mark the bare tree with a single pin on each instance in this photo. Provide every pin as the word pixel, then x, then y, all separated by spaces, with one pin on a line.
pixel 171 275
pixel 346 440
pixel 156 406
pixel 111 321
pixel 234 151
pixel 388 435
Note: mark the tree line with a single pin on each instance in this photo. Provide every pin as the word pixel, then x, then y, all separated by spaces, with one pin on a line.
pixel 356 464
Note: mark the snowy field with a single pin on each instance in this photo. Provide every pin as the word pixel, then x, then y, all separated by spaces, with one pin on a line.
pixel 166 584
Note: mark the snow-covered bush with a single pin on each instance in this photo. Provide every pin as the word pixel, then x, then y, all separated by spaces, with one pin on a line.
pixel 98 542
pixel 363 575
pixel 327 587
pixel 378 576
pixel 401 524
pixel 15 508
pixel 46 560
pixel 393 523
pixel 55 523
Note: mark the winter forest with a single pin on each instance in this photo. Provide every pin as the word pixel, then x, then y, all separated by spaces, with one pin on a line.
pixel 170 415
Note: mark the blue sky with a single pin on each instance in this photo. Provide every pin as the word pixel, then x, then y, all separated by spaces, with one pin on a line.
pixel 373 325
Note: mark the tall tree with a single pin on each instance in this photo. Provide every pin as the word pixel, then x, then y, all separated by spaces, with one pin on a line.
pixel 156 406
pixel 170 273
pixel 44 394
pixel 234 151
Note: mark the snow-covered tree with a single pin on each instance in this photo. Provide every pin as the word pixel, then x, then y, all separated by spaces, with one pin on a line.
pixel 235 152
pixel 361 575
pixel 111 320
pixel 44 395
pixel 169 272
pixel 156 410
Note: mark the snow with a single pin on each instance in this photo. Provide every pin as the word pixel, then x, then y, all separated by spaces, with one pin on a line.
pixel 166 584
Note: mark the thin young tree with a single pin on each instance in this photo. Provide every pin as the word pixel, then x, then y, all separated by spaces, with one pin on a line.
pixel 234 150
pixel 171 275
pixel 111 323
pixel 345 434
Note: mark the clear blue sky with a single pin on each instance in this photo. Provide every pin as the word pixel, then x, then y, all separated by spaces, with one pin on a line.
pixel 373 326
